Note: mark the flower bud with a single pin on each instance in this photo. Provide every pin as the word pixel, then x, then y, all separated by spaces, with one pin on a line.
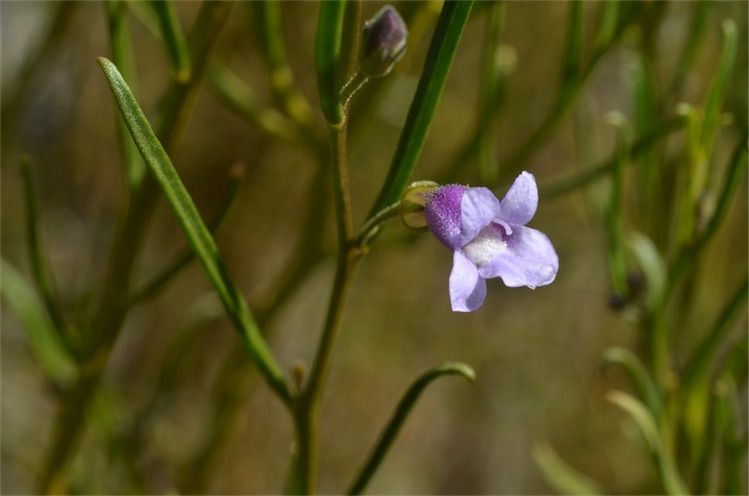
pixel 412 204
pixel 383 43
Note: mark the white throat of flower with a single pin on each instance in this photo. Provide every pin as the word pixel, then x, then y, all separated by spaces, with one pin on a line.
pixel 484 247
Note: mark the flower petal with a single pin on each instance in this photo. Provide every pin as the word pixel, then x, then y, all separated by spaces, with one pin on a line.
pixel 478 208
pixel 442 212
pixel 521 201
pixel 467 288
pixel 530 260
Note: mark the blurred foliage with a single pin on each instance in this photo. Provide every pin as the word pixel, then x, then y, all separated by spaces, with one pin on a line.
pixel 632 116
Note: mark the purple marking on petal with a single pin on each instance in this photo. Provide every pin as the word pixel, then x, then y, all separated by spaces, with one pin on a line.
pixel 521 201
pixel 442 212
pixel 529 260
pixel 467 288
pixel 478 208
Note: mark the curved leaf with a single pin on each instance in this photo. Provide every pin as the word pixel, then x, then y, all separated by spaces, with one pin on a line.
pixel 44 340
pixel 642 381
pixel 563 478
pixel 646 423
pixel 399 417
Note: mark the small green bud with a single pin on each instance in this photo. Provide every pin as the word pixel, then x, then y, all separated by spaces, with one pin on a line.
pixel 412 204
pixel 384 42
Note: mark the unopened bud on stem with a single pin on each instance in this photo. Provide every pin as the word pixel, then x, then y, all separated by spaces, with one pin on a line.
pixel 384 42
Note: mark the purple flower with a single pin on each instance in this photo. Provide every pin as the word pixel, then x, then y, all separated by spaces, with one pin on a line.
pixel 489 239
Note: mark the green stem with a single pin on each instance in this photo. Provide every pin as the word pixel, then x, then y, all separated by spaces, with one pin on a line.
pixel 370 227
pixel 352 86
pixel 40 269
pixel 559 187
pixel 307 407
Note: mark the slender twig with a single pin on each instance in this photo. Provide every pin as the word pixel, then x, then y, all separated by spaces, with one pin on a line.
pixel 40 269
pixel 559 187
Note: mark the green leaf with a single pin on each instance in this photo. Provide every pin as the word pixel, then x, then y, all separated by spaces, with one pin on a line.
pixel 195 230
pixel 643 383
pixel 269 30
pixel 399 417
pixel 571 67
pixel 607 24
pixel 560 476
pixel 720 83
pixel 174 37
pixel 44 340
pixel 646 423
pixel 558 187
pixel 436 67
pixel 40 267
pixel 652 265
pixel 327 58
pixel 699 368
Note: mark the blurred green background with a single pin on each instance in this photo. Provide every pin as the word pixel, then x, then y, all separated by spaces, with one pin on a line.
pixel 537 354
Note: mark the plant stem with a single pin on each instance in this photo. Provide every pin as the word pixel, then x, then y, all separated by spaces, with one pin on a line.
pixel 307 407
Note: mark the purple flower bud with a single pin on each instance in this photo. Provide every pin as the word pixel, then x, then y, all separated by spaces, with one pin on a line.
pixel 384 42
pixel 489 239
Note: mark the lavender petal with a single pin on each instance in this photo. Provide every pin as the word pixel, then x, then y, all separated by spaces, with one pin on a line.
pixel 521 201
pixel 467 288
pixel 529 260
pixel 478 208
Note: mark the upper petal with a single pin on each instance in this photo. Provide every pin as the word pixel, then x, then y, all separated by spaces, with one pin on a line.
pixel 478 208
pixel 442 212
pixel 467 288
pixel 529 260
pixel 521 201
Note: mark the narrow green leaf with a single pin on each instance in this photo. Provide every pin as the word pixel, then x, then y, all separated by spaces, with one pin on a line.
pixel 720 83
pixel 643 383
pixel 571 66
pixel 558 187
pixel 733 179
pixel 696 34
pixel 327 58
pixel 439 58
pixel 645 120
pixel 734 449
pixel 195 230
pixel 399 417
pixel 608 19
pixel 615 208
pixel 174 37
pixel 44 339
pixel 239 97
pixel 647 425
pixel 40 268
pixel 269 31
pixel 698 367
pixel 560 476
pixel 652 265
